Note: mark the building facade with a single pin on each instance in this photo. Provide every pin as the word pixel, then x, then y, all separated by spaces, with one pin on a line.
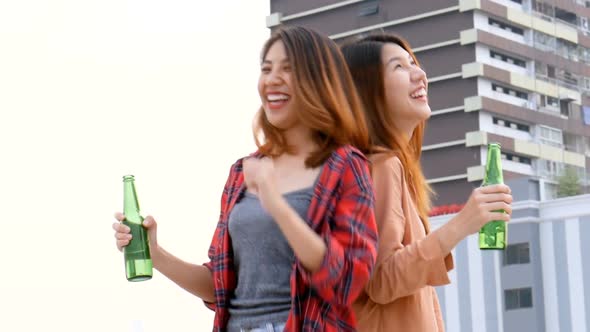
pixel 541 282
pixel 512 71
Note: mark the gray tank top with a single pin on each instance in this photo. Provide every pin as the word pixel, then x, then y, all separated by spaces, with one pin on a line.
pixel 263 261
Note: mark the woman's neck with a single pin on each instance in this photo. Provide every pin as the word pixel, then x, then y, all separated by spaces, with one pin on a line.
pixel 300 139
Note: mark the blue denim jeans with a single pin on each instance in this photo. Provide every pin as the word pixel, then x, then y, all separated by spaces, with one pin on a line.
pixel 268 327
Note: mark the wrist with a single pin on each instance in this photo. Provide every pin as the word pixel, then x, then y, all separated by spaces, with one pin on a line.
pixel 450 235
pixel 157 255
pixel 277 207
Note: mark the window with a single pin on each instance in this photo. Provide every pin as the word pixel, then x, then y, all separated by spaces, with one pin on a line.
pixel 509 91
pixel 540 69
pixel 545 41
pixel 551 101
pixel 549 168
pixel 549 191
pixel 584 53
pixel 508 59
pixel 504 26
pixel 517 159
pixel 550 136
pixel 566 15
pixel 546 9
pixel 517 254
pixel 567 49
pixel 551 71
pixel 518 298
pixel 568 78
pixel 564 107
pixel 511 124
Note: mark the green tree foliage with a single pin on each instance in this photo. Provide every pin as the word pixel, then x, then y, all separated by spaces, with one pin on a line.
pixel 568 183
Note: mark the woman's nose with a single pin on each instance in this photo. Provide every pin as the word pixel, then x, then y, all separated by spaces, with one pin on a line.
pixel 420 75
pixel 273 78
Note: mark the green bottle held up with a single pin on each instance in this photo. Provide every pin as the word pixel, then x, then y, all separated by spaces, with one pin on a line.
pixel 138 262
pixel 493 235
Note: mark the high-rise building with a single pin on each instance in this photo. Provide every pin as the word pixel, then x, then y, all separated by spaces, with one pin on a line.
pixel 512 71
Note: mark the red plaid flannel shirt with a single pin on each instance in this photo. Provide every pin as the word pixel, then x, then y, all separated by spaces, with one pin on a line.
pixel 341 211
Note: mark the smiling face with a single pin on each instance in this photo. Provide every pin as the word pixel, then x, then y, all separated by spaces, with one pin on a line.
pixel 405 86
pixel 275 86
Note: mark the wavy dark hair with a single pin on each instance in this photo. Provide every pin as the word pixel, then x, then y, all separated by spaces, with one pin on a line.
pixel 366 66
pixel 331 107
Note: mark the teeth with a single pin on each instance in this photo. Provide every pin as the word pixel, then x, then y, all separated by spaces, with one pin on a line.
pixel 276 97
pixel 419 93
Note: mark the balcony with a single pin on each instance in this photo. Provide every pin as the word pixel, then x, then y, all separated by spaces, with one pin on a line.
pixel 511 132
pixel 509 4
pixel 574 148
pixel 516 101
pixel 550 110
pixel 517 167
pixel 500 28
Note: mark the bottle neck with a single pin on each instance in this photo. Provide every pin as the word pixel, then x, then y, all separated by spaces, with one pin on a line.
pixel 493 174
pixel 130 202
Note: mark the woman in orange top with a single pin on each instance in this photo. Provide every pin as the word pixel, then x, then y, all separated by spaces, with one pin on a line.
pixel 411 259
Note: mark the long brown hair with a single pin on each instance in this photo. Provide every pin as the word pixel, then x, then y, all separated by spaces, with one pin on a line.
pixel 331 107
pixel 366 66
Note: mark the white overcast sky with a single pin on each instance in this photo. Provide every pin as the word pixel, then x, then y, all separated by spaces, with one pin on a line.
pixel 92 90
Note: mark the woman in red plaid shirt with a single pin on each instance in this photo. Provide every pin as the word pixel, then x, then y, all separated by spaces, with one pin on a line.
pixel 296 239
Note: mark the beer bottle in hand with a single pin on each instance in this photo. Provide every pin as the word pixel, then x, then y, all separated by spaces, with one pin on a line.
pixel 138 262
pixel 493 235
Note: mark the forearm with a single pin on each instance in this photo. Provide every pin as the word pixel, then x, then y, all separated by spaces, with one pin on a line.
pixel 196 279
pixel 403 270
pixel 307 245
pixel 450 234
pixel 339 265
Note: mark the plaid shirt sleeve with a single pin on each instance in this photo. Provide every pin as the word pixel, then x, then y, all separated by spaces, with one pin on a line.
pixel 229 191
pixel 350 235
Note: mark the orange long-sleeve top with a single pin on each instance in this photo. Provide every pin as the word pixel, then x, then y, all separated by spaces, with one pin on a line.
pixel 400 295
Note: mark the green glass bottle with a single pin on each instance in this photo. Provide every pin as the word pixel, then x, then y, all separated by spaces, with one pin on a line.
pixel 138 262
pixel 493 235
